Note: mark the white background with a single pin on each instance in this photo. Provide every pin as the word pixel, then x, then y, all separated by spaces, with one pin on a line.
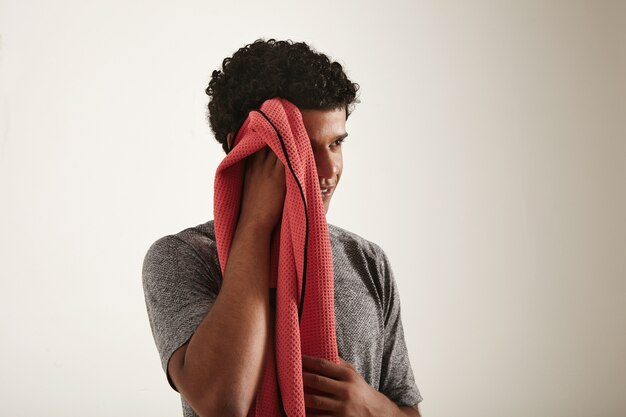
pixel 487 157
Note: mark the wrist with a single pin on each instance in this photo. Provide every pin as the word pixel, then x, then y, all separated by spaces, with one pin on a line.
pixel 249 257
pixel 258 230
pixel 388 408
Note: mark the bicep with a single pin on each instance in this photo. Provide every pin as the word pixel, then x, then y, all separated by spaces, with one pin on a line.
pixel 175 366
pixel 179 289
pixel 411 411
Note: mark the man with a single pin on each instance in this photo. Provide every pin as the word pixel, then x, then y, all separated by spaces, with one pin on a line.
pixel 212 331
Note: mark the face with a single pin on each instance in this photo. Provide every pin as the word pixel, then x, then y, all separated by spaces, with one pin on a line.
pixel 327 130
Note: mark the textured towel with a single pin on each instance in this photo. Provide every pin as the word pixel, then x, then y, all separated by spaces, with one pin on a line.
pixel 301 254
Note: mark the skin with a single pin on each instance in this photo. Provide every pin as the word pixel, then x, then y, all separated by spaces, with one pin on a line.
pixel 219 376
pixel 327 131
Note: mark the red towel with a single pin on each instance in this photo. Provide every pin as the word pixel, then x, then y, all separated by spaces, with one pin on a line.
pixel 305 314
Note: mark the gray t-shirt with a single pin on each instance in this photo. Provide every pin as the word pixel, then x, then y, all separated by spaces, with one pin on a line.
pixel 182 276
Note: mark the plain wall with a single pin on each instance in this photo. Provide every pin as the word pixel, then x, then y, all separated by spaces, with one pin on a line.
pixel 487 157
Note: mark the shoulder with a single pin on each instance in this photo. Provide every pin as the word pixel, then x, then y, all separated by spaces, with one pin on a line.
pixel 180 283
pixel 352 244
pixel 190 249
pixel 359 260
pixel 199 238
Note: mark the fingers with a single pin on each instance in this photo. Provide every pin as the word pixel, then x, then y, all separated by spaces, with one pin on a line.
pixel 259 156
pixel 321 383
pixel 348 364
pixel 263 190
pixel 326 368
pixel 264 158
pixel 271 157
pixel 319 402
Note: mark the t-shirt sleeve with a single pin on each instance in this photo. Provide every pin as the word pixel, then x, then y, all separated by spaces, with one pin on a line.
pixel 396 379
pixel 179 290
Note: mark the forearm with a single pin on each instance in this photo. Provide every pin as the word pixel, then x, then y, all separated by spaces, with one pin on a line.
pixel 394 410
pixel 225 357
pixel 409 412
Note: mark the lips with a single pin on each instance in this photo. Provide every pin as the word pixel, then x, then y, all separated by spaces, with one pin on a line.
pixel 327 191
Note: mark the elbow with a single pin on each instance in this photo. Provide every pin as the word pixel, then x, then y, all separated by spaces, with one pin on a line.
pixel 219 405
pixel 222 410
pixel 211 398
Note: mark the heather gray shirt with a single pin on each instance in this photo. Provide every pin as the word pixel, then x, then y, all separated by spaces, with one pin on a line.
pixel 182 276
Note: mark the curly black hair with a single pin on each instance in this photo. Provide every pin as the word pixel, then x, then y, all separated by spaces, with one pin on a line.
pixel 269 68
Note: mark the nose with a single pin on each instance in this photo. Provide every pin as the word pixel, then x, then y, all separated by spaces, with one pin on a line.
pixel 327 164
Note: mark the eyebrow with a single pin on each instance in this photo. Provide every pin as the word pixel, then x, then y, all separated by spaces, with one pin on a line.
pixel 345 135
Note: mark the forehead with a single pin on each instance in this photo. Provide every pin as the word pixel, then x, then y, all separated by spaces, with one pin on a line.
pixel 323 125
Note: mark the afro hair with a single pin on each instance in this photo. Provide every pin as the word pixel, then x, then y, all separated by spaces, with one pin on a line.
pixel 269 68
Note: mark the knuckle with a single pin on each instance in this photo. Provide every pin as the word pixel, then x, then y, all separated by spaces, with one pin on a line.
pixel 343 408
pixel 317 401
pixel 353 376
pixel 342 393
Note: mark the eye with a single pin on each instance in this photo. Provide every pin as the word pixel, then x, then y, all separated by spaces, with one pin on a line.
pixel 338 142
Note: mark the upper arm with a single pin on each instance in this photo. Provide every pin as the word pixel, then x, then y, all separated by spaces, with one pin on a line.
pixel 396 380
pixel 411 411
pixel 175 366
pixel 179 289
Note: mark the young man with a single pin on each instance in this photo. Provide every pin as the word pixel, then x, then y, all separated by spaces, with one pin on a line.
pixel 211 333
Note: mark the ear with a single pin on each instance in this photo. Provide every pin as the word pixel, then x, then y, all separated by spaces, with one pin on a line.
pixel 229 140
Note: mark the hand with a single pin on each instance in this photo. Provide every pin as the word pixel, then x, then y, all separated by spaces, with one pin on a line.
pixel 332 389
pixel 263 190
